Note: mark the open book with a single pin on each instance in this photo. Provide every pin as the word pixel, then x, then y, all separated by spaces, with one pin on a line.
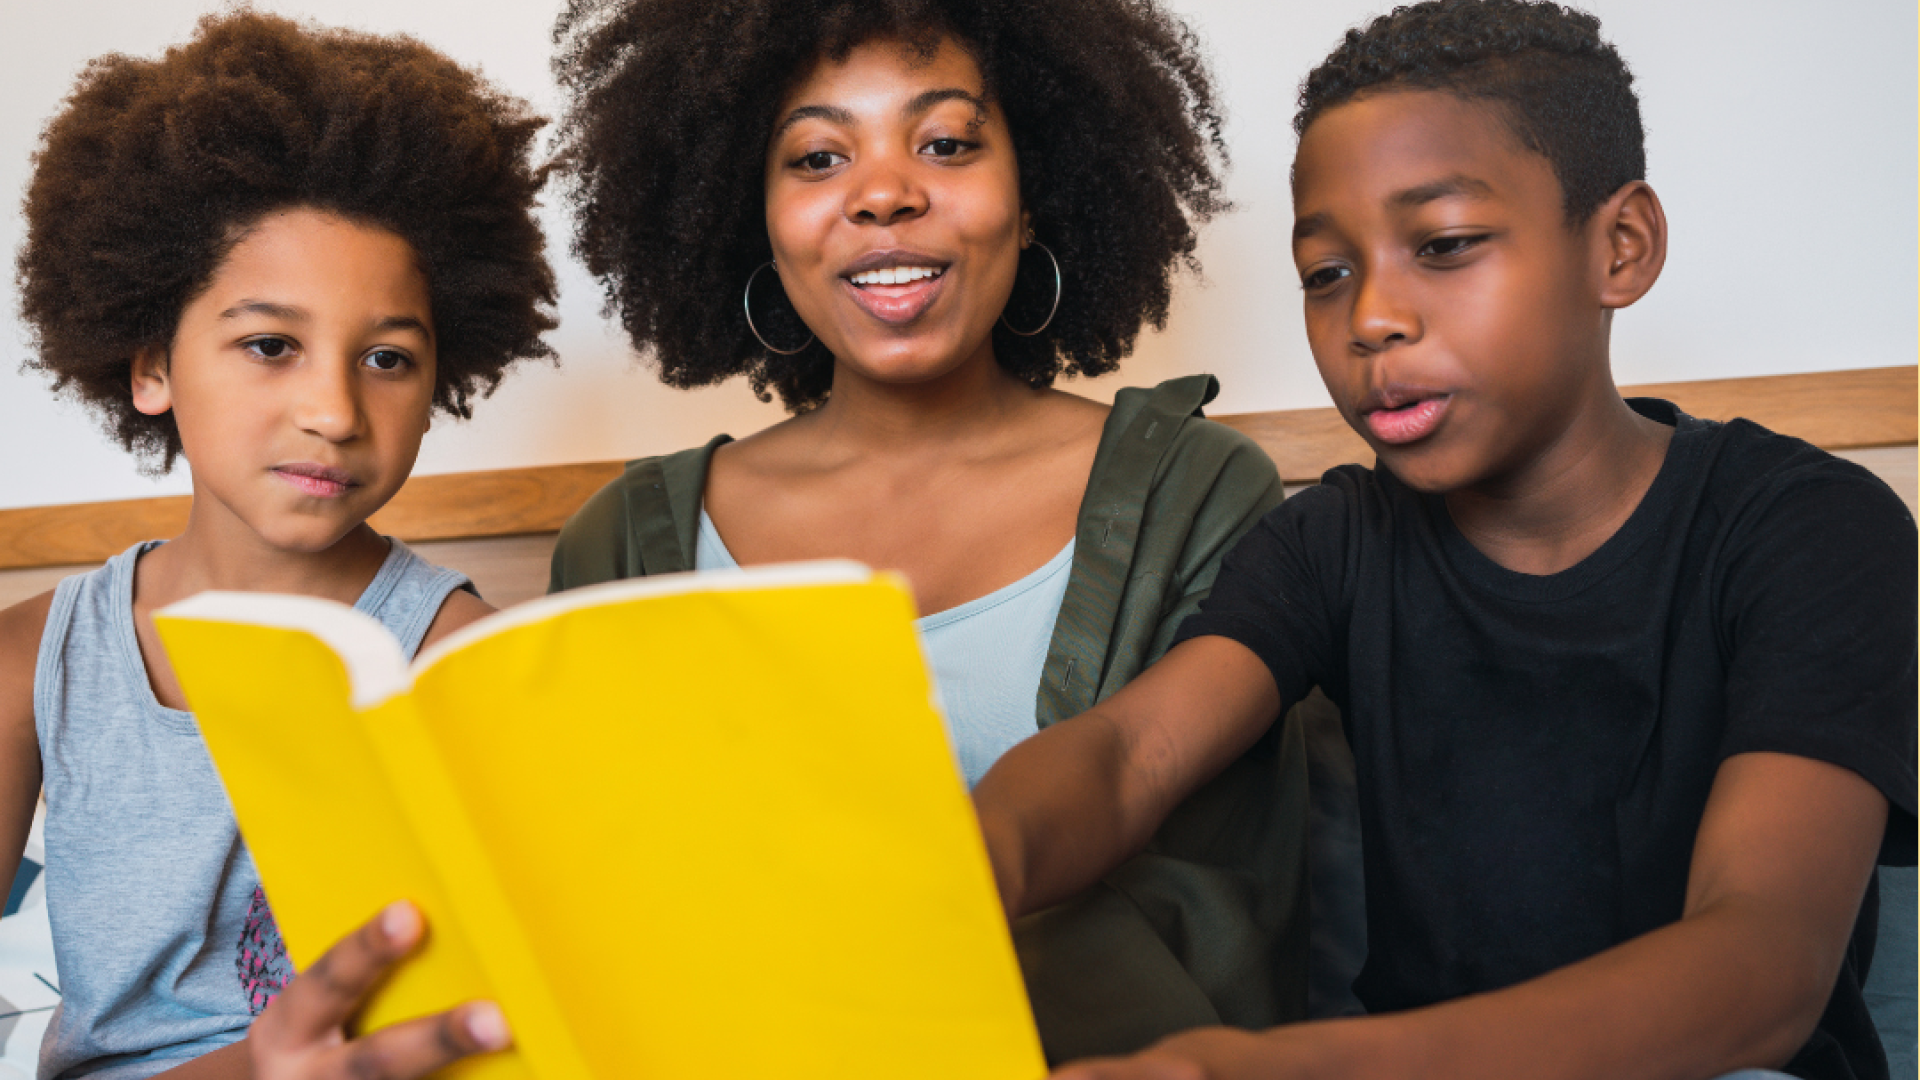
pixel 702 826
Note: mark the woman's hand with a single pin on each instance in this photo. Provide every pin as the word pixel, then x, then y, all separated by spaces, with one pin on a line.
pixel 302 1034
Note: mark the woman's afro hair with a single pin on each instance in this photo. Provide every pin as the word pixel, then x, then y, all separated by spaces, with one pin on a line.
pixel 1561 88
pixel 154 169
pixel 1114 125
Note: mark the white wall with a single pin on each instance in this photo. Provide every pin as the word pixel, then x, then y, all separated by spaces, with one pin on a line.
pixel 1782 137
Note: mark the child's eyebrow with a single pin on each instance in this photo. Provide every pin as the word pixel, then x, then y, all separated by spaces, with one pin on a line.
pixel 265 307
pixel 404 322
pixel 1459 185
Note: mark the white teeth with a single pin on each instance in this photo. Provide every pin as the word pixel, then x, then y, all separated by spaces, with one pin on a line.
pixel 898 275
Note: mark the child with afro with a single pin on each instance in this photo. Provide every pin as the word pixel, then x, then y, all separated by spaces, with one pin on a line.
pixel 274 251
pixel 1631 694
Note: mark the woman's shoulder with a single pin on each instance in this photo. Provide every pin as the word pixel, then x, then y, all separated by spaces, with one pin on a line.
pixel 654 500
pixel 1171 413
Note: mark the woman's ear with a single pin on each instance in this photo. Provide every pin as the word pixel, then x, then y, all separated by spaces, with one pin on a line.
pixel 1026 229
pixel 152 388
pixel 1629 231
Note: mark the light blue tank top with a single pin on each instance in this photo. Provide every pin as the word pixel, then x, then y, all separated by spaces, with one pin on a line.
pixel 986 654
pixel 165 947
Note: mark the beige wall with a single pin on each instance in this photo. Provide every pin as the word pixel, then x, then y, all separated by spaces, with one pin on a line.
pixel 1782 136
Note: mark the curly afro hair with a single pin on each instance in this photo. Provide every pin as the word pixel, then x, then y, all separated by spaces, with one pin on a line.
pixel 154 169
pixel 1562 90
pixel 1114 125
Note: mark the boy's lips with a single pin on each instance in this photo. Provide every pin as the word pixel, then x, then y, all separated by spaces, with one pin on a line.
pixel 895 286
pixel 317 481
pixel 1408 419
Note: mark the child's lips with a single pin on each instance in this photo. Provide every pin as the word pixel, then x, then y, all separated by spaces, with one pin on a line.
pixel 1409 422
pixel 317 481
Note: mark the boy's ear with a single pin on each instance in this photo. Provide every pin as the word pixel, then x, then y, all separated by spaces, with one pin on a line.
pixel 152 387
pixel 1630 242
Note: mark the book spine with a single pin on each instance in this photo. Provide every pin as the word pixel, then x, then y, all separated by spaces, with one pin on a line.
pixel 434 811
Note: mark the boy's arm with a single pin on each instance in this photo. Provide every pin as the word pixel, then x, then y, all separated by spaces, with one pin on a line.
pixel 1780 863
pixel 20 629
pixel 1064 807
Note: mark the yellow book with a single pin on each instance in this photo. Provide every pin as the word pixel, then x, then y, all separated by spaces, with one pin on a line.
pixel 705 826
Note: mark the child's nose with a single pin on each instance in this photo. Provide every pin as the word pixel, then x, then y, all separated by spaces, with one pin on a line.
pixel 1381 314
pixel 327 402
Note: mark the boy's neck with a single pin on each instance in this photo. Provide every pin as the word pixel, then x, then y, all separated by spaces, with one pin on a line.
pixel 1572 498
pixel 218 551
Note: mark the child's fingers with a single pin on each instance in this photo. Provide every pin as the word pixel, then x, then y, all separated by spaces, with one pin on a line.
pixel 317 1003
pixel 418 1047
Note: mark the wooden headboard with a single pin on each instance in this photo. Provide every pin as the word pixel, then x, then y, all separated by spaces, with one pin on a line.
pixel 498 526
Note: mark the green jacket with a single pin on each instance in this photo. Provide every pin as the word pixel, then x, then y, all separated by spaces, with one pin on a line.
pixel 1209 925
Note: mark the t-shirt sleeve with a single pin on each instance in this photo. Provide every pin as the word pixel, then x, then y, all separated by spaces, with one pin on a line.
pixel 1279 590
pixel 1817 614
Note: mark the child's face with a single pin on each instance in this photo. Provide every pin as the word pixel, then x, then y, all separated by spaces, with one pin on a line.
pixel 1457 319
pixel 301 379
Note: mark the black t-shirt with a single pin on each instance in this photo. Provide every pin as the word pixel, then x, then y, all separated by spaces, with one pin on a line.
pixel 1534 753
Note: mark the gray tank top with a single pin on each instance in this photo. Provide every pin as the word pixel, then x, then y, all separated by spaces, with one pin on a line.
pixel 165 947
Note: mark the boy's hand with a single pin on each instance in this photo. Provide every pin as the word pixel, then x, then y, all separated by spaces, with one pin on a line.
pixel 302 1033
pixel 1219 1053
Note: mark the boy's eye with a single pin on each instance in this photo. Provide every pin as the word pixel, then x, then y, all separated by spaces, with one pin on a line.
pixel 1324 277
pixel 1443 246
pixel 387 360
pixel 269 348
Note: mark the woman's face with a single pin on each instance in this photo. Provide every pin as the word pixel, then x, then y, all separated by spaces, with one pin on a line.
pixel 893 206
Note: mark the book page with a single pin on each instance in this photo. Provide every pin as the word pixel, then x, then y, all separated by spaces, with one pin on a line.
pixel 730 827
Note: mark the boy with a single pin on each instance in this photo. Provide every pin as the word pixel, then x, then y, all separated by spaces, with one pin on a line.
pixel 275 250
pixel 1631 694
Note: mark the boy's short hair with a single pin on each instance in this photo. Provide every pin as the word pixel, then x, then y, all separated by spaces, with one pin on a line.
pixel 155 169
pixel 1562 90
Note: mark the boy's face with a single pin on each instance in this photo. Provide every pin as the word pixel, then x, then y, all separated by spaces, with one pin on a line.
pixel 301 379
pixel 1458 320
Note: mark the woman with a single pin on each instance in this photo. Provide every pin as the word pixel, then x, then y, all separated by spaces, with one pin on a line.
pixel 928 212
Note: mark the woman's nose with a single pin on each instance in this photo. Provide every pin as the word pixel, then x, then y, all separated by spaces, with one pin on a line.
pixel 884 193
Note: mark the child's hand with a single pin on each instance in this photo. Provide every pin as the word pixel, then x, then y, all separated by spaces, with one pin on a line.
pixel 1221 1053
pixel 302 1033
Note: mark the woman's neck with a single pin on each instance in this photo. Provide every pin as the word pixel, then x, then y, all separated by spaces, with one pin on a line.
pixel 972 405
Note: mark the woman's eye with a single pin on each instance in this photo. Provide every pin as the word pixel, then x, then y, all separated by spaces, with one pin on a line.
pixel 387 360
pixel 1443 246
pixel 269 348
pixel 1323 277
pixel 945 147
pixel 819 160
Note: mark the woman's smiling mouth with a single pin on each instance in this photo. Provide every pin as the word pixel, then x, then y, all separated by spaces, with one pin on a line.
pixel 895 287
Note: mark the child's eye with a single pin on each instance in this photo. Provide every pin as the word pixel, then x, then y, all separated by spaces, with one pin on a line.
pixel 269 348
pixel 1443 246
pixel 1324 277
pixel 388 360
